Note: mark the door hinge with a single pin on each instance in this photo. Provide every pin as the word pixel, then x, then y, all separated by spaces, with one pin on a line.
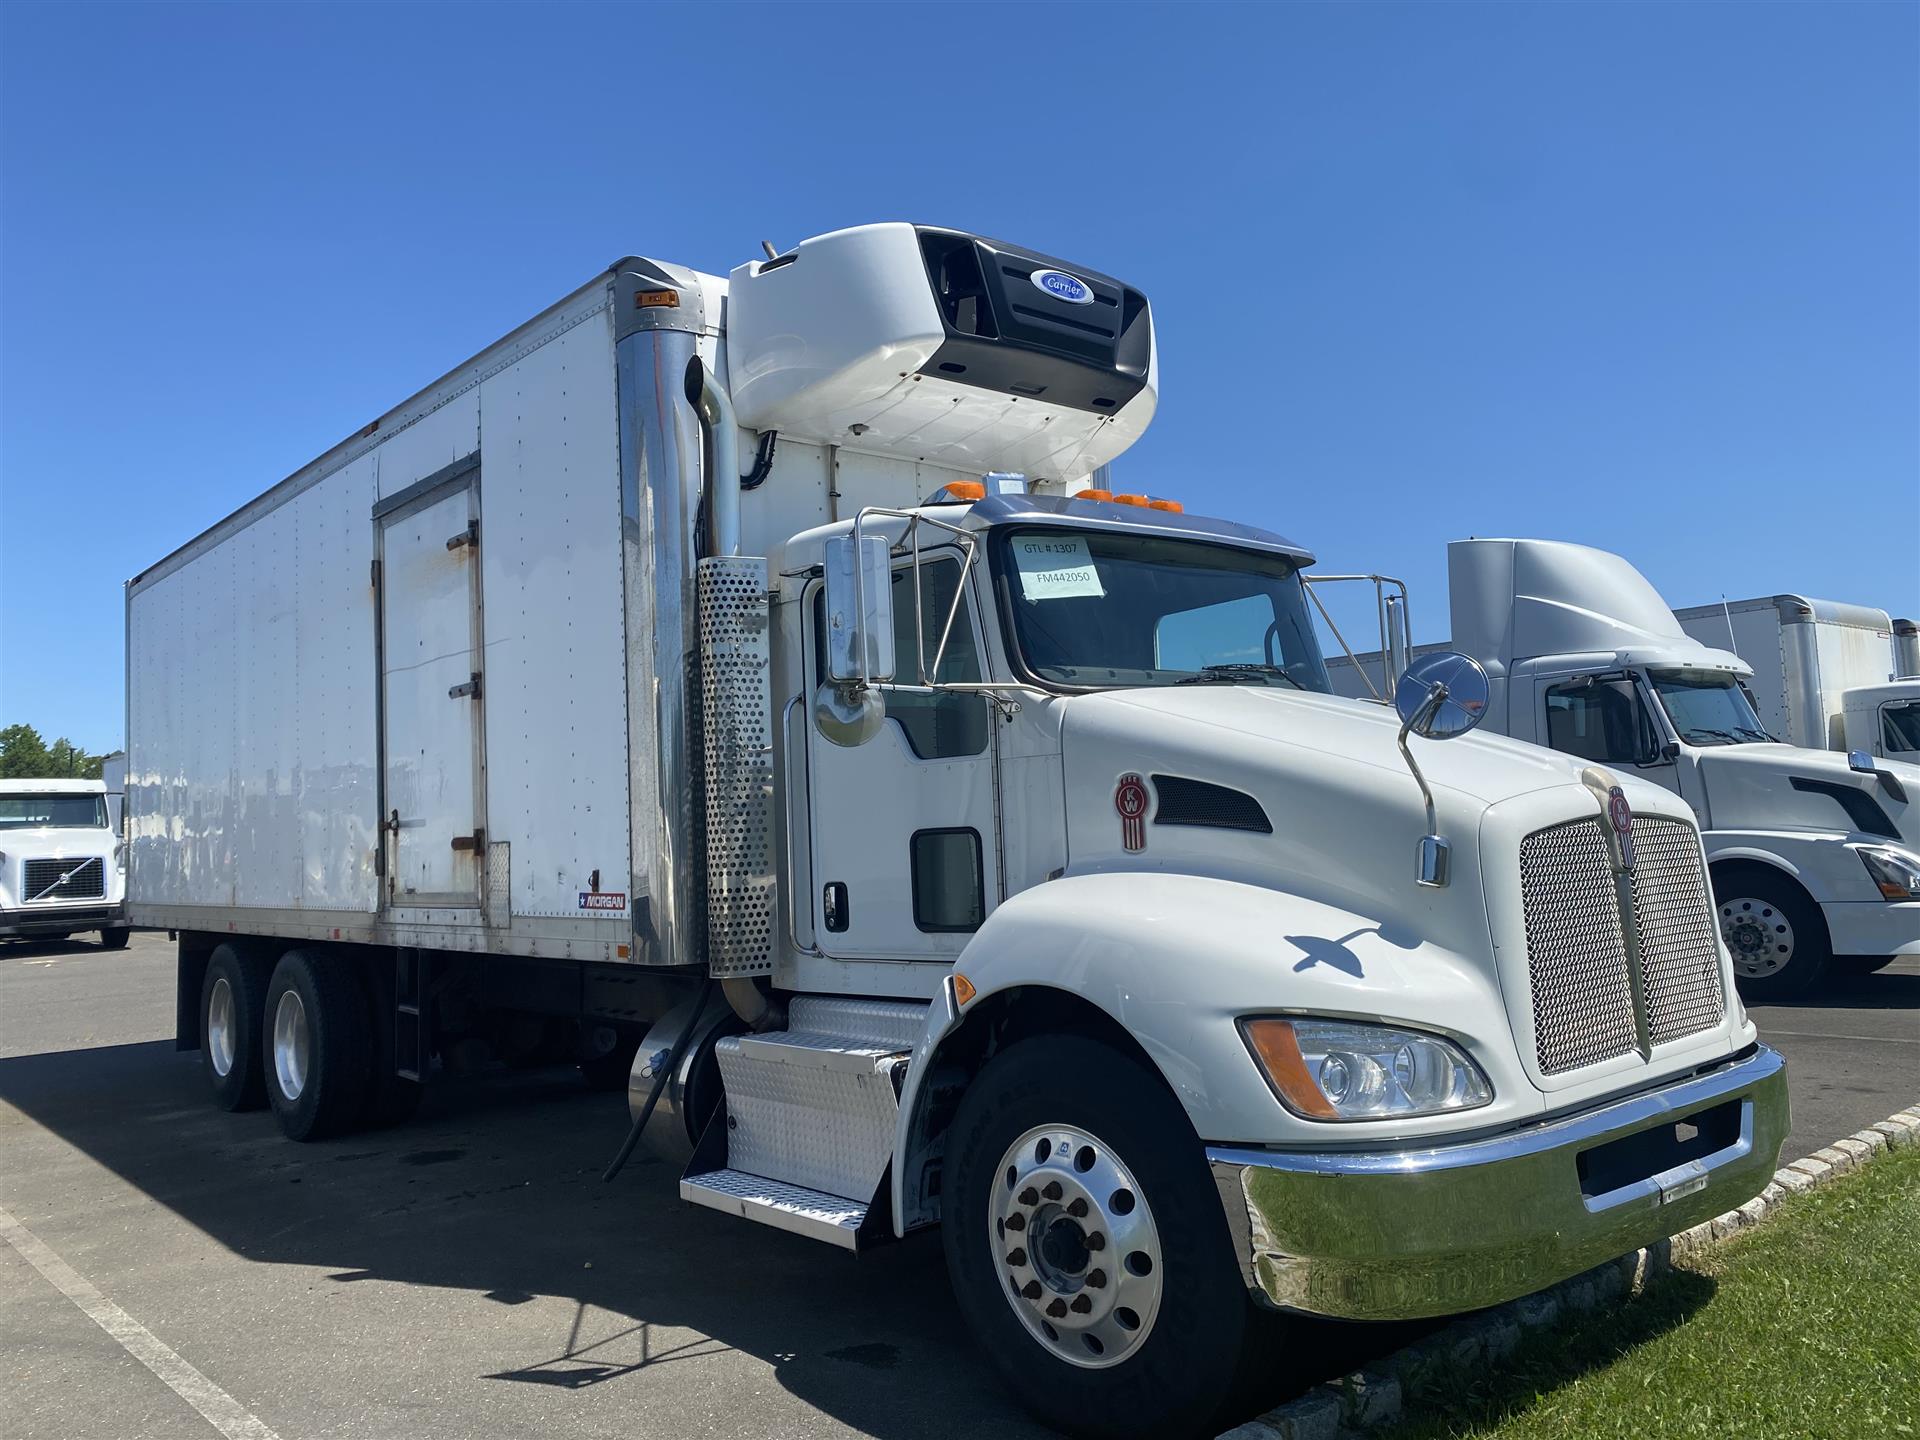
pixel 468 536
pixel 375 569
pixel 474 842
pixel 468 691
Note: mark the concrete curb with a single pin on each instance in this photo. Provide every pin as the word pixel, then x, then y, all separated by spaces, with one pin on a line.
pixel 1379 1395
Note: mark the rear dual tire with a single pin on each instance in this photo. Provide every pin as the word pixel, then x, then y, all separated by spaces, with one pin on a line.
pixel 233 997
pixel 314 1045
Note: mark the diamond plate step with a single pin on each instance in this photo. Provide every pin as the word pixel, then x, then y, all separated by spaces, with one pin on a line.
pixel 810 1109
pixel 794 1208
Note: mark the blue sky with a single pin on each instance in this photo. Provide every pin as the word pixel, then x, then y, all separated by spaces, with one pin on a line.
pixel 1637 275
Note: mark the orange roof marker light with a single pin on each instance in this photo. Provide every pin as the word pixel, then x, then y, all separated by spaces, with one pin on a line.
pixel 960 492
pixel 1172 507
pixel 1093 495
pixel 1140 500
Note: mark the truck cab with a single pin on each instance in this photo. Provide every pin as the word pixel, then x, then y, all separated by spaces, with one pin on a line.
pixel 1815 853
pixel 63 869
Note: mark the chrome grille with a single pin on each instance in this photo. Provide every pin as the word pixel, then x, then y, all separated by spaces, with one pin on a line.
pixel 1679 960
pixel 88 880
pixel 1576 957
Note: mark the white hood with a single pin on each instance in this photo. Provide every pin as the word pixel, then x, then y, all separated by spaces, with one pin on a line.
pixel 1751 787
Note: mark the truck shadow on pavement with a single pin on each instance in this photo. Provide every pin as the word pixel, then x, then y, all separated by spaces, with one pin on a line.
pixel 494 1190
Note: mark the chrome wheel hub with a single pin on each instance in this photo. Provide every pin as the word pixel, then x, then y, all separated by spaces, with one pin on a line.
pixel 292 1045
pixel 220 1027
pixel 1758 936
pixel 1077 1246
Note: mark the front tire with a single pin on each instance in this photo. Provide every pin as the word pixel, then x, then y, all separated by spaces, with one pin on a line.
pixel 1087 1246
pixel 314 1045
pixel 1775 934
pixel 232 999
pixel 115 938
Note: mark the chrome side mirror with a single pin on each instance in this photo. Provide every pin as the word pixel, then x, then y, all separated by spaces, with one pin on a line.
pixel 859 610
pixel 1439 696
pixel 1861 761
pixel 1442 695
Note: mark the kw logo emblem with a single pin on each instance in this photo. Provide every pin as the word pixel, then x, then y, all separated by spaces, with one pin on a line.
pixel 1130 799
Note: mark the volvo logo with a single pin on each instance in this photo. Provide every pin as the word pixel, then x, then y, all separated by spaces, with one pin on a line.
pixel 1062 286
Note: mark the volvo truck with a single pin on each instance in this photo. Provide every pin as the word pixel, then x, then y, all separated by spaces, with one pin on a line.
pixel 1825 675
pixel 63 870
pixel 1814 854
pixel 741 674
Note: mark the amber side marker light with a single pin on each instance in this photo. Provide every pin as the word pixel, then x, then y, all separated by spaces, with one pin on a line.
pixel 1278 1051
pixel 963 990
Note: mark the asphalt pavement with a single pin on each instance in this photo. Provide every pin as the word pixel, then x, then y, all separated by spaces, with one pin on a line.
pixel 468 1274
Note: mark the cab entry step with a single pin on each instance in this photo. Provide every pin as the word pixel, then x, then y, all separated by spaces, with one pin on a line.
pixel 812 1213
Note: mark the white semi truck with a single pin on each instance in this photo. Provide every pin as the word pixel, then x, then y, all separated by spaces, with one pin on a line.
pixel 1813 854
pixel 970 850
pixel 63 869
pixel 1825 675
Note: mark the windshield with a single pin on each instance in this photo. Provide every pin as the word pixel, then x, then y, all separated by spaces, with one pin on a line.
pixel 53 812
pixel 1707 708
pixel 1093 608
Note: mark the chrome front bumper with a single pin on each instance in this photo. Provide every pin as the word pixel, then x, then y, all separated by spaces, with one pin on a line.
pixel 1402 1234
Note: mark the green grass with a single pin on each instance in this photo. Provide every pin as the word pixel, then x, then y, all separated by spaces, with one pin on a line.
pixel 1808 1325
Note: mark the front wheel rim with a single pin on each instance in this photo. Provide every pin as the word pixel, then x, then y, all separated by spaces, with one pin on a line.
pixel 292 1045
pixel 1075 1242
pixel 220 1028
pixel 1759 936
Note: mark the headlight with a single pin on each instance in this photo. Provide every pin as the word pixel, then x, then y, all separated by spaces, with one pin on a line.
pixel 1895 871
pixel 1340 1070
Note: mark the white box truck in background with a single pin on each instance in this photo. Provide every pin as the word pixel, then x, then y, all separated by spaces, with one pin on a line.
pixel 1825 675
pixel 969 850
pixel 63 869
pixel 1813 854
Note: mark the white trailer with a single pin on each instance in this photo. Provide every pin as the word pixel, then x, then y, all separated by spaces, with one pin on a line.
pixel 1808 657
pixel 1814 855
pixel 971 846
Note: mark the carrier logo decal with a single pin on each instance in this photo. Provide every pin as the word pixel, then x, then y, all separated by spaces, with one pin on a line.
pixel 1620 816
pixel 603 900
pixel 1130 799
pixel 1062 286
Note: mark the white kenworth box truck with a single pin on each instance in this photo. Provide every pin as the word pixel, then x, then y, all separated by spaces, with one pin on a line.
pixel 694 670
pixel 1814 855
pixel 1825 674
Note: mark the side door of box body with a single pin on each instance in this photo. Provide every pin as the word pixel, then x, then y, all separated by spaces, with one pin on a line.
pixel 432 695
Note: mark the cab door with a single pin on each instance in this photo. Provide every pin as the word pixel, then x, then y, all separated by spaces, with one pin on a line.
pixel 431 695
pixel 902 829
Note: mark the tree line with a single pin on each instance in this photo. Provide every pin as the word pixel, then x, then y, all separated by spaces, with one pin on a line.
pixel 24 755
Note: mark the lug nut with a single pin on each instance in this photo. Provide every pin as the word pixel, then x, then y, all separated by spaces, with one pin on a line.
pixel 1096 1241
pixel 1081 1305
pixel 1078 1209
pixel 1057 1309
pixel 1016 1221
pixel 1029 1196
pixel 1096 1279
pixel 1016 1256
pixel 1030 1290
pixel 1052 1191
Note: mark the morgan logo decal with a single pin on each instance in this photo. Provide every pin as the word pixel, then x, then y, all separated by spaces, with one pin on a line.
pixel 1620 816
pixel 1130 799
pixel 603 900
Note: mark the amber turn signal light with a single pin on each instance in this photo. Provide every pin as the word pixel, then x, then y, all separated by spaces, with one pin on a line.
pixel 1277 1049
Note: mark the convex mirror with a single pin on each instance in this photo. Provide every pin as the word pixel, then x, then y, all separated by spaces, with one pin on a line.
pixel 1465 691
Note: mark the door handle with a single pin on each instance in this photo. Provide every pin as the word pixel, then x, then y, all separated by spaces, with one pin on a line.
pixel 834 908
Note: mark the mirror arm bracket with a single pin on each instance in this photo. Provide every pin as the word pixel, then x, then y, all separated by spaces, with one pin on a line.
pixel 1435 850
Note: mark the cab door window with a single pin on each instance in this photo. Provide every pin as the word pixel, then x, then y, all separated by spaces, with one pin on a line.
pixel 1601 720
pixel 942 725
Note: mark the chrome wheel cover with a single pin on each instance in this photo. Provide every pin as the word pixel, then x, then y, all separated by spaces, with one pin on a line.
pixel 292 1045
pixel 220 1027
pixel 1759 937
pixel 1072 1233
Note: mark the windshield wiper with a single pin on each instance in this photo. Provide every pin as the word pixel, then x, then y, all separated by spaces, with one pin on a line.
pixel 1234 674
pixel 1726 735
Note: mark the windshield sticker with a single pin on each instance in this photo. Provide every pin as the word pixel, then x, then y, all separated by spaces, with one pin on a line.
pixel 1055 567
